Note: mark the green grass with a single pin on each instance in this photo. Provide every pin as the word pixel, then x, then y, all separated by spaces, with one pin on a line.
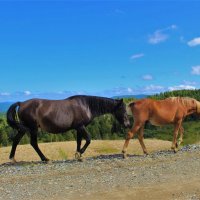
pixel 191 132
pixel 106 150
pixel 62 154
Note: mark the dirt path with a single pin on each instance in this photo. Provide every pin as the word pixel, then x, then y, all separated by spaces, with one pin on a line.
pixel 161 175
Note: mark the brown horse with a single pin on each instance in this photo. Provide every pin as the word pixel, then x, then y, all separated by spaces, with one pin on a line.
pixel 160 112
pixel 58 116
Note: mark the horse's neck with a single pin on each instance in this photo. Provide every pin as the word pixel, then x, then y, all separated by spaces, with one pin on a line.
pixel 102 107
pixel 190 106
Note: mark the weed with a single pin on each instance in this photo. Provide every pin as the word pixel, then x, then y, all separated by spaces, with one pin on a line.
pixel 106 150
pixel 62 154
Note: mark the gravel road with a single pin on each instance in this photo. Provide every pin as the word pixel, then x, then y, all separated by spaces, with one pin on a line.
pixel 160 175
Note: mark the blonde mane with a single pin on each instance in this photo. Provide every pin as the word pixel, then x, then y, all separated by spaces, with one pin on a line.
pixel 186 101
pixel 198 106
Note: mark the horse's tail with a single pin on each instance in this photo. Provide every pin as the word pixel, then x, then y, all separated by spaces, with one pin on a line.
pixel 128 108
pixel 12 118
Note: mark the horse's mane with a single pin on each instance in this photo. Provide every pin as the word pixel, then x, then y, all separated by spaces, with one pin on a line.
pixel 97 104
pixel 198 106
pixel 186 101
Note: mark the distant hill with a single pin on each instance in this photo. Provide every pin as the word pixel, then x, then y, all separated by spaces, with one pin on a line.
pixel 4 106
pixel 139 96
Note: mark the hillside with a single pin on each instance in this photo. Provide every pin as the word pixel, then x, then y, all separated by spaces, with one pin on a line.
pixel 4 106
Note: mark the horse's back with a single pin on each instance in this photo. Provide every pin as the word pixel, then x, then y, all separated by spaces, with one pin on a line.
pixel 41 112
pixel 158 112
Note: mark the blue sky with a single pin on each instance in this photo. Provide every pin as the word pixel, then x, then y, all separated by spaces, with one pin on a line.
pixel 54 49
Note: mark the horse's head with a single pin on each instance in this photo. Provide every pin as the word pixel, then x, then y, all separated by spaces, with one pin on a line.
pixel 121 114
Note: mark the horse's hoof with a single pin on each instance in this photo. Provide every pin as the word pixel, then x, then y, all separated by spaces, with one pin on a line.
pixel 125 156
pixel 48 161
pixel 45 160
pixel 80 159
pixel 13 161
pixel 175 150
pixel 78 155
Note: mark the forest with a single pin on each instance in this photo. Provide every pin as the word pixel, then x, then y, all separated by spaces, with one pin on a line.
pixel 107 128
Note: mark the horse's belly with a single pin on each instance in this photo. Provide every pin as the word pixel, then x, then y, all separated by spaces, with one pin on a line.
pixel 53 126
pixel 159 121
pixel 155 122
pixel 54 129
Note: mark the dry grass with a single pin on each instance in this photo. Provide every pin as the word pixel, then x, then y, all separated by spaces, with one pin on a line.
pixel 66 150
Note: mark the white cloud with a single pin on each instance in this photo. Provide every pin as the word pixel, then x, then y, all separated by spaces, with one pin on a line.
pixel 27 92
pixel 129 90
pixel 189 82
pixel 117 91
pixel 25 95
pixel 173 26
pixel 194 42
pixel 152 87
pixel 135 56
pixel 123 90
pixel 196 70
pixel 160 35
pixel 147 77
pixel 157 37
pixel 5 94
pixel 182 87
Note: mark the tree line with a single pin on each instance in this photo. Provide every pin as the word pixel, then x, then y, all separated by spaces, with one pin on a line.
pixel 181 93
pixel 106 127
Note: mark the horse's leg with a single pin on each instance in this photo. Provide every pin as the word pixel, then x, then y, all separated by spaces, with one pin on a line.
pixel 16 141
pixel 79 140
pixel 174 142
pixel 82 133
pixel 181 135
pixel 141 140
pixel 130 135
pixel 34 144
pixel 87 137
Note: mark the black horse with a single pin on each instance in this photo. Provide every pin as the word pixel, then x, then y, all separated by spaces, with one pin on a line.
pixel 58 116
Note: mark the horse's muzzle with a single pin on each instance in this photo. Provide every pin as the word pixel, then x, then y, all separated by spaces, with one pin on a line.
pixel 127 125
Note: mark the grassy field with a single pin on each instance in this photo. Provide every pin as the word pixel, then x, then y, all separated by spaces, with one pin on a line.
pixel 66 150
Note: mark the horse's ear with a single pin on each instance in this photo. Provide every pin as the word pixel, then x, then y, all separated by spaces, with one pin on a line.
pixel 120 102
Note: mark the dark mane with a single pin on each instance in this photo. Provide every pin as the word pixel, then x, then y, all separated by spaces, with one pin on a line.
pixel 97 105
